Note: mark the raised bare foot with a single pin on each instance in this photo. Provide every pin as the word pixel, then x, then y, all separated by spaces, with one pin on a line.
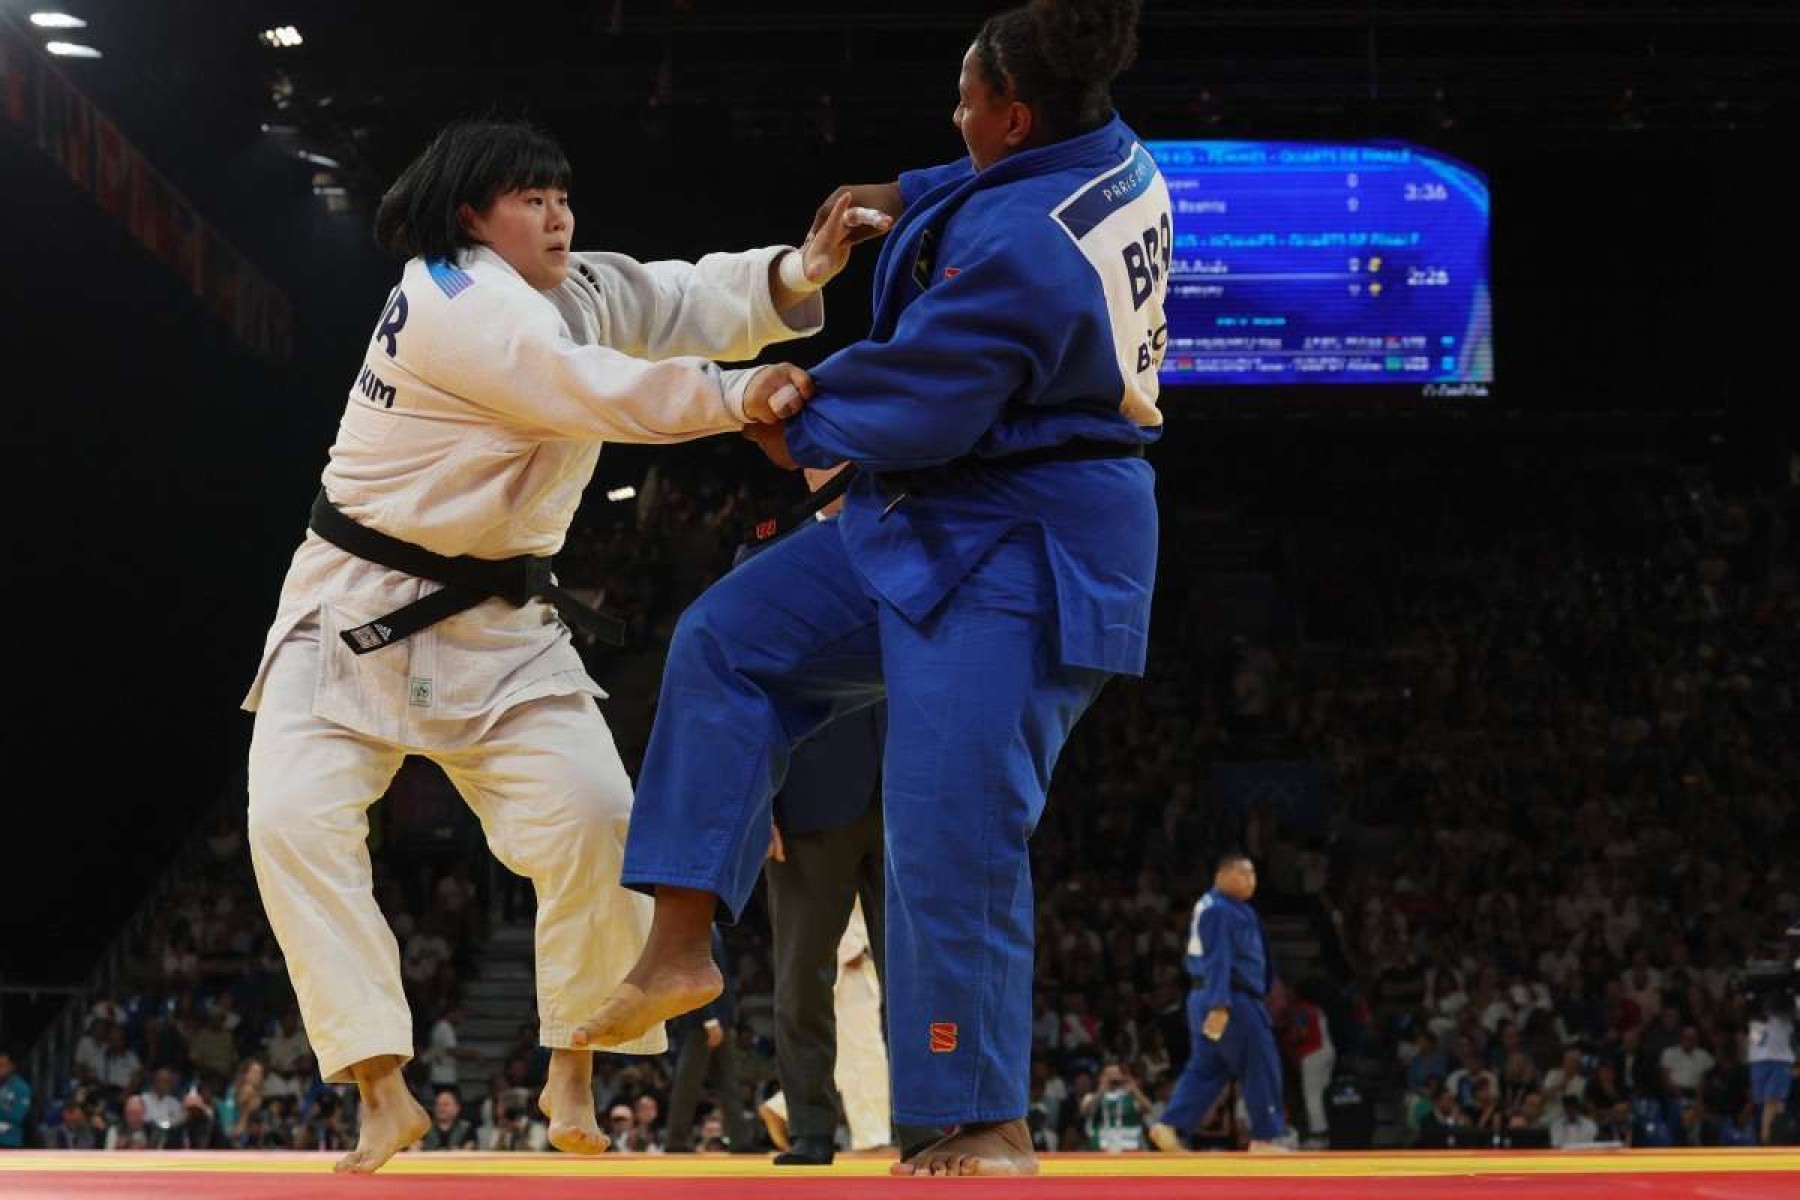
pixel 1166 1139
pixel 994 1148
pixel 391 1122
pixel 654 992
pixel 567 1102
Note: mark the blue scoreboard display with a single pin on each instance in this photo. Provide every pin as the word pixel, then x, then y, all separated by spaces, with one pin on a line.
pixel 1304 263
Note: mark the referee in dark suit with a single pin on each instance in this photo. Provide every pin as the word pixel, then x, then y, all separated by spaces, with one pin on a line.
pixel 829 817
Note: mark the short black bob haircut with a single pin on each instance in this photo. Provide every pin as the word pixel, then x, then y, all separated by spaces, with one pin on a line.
pixel 470 162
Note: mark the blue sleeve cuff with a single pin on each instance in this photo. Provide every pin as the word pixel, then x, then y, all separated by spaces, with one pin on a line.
pixel 806 451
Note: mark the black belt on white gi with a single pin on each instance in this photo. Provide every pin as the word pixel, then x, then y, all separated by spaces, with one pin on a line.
pixel 467 582
pixel 898 485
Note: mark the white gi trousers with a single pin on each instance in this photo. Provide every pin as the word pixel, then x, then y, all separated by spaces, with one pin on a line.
pixel 553 798
pixel 861 1072
pixel 1316 1070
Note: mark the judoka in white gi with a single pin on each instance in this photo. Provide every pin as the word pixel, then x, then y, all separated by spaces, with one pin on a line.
pixel 498 367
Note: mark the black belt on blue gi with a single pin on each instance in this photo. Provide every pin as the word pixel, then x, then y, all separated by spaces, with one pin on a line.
pixel 898 485
pixel 1236 987
pixel 467 582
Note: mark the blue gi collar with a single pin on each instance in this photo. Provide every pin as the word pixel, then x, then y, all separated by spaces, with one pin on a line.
pixel 1098 148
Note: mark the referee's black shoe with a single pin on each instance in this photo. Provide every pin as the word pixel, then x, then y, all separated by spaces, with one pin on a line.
pixel 807 1152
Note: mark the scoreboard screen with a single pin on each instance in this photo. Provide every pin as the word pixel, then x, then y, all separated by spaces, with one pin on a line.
pixel 1304 263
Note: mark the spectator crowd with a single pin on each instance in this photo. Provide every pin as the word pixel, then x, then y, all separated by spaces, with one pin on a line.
pixel 1526 759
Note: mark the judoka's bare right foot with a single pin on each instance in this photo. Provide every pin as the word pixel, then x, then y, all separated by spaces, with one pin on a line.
pixel 994 1148
pixel 1166 1139
pixel 391 1119
pixel 567 1102
pixel 675 973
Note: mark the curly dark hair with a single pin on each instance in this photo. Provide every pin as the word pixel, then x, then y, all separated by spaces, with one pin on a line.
pixel 1060 57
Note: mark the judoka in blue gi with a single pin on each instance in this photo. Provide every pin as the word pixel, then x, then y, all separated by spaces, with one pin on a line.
pixel 991 570
pixel 1232 1037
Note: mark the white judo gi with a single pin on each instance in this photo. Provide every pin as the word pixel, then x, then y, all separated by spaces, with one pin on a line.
pixel 472 429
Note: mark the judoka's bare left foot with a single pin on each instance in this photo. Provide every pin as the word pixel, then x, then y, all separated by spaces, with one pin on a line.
pixel 391 1119
pixel 675 973
pixel 993 1148
pixel 567 1102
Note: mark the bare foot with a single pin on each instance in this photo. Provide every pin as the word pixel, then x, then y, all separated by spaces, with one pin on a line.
pixel 674 974
pixel 995 1148
pixel 567 1102
pixel 1166 1139
pixel 651 994
pixel 1256 1147
pixel 776 1124
pixel 391 1119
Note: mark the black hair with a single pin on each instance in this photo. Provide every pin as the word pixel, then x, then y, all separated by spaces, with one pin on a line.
pixel 1230 858
pixel 1060 57
pixel 469 162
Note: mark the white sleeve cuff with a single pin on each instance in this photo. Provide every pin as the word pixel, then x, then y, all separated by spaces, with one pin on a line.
pixel 804 318
pixel 792 273
pixel 733 384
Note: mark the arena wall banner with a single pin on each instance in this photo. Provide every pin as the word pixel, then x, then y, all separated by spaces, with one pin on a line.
pixel 39 104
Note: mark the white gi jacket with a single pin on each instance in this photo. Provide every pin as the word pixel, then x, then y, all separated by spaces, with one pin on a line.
pixel 472 428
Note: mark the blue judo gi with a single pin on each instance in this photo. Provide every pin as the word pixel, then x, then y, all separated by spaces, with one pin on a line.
pixel 1228 961
pixel 1016 308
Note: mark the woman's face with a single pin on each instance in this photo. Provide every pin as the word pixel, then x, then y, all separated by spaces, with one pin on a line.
pixel 992 126
pixel 532 229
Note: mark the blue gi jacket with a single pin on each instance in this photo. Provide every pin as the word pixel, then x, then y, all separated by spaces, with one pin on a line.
pixel 1016 308
pixel 1226 951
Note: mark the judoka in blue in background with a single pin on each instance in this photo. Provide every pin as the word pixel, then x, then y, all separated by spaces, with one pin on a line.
pixel 1018 310
pixel 1232 1037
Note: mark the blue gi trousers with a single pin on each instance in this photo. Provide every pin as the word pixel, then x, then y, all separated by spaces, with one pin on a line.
pixel 1246 1052
pixel 979 707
